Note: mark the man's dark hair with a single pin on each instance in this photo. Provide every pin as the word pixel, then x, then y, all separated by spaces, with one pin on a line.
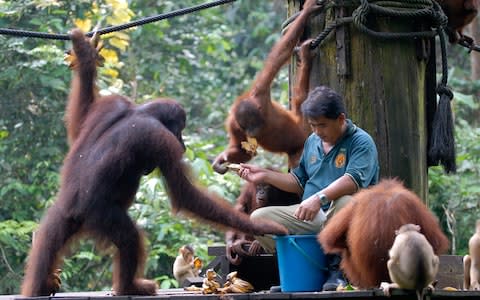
pixel 323 102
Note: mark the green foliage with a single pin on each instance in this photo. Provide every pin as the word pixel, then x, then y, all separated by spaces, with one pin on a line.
pixel 15 240
pixel 456 197
pixel 204 66
pixel 221 49
pixel 31 124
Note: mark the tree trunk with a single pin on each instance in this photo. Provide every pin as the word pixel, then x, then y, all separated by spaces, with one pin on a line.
pixel 383 84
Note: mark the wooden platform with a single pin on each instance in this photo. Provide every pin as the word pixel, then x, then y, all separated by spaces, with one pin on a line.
pixel 180 294
pixel 262 271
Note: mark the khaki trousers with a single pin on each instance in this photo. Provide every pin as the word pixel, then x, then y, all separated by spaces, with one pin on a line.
pixel 284 216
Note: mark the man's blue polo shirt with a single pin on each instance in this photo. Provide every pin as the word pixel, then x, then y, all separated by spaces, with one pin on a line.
pixel 354 155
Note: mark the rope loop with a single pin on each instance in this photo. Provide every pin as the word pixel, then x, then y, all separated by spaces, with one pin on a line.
pixel 420 9
pixel 440 19
pixel 444 90
pixel 329 28
pixel 406 9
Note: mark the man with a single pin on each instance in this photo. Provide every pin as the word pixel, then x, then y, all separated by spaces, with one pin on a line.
pixel 338 159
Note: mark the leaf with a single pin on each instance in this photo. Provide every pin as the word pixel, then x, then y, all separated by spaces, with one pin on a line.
pixel 467 100
pixel 3 134
pixel 85 255
pixel 118 43
pixel 110 72
pixel 109 55
pixel 84 25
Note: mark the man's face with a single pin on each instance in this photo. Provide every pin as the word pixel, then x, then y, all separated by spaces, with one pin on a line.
pixel 329 130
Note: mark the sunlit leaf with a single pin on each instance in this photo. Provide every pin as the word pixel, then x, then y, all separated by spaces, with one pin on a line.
pixel 85 25
pixel 110 72
pixel 109 55
pixel 119 43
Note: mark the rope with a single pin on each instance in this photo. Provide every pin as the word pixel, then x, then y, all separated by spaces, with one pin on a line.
pixel 176 13
pixel 442 142
pixel 419 9
pixel 360 18
pixel 316 41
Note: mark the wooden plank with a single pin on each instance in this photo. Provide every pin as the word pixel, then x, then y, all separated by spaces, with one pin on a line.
pixel 450 273
pixel 218 250
pixel 180 294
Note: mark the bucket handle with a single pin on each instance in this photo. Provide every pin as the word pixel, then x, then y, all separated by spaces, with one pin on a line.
pixel 305 254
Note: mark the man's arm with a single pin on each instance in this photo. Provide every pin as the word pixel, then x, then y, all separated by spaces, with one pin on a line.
pixel 309 207
pixel 283 181
pixel 340 187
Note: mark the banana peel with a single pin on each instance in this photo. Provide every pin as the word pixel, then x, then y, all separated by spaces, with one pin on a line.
pixel 234 284
pixel 233 167
pixel 210 285
pixel 250 146
pixel 197 263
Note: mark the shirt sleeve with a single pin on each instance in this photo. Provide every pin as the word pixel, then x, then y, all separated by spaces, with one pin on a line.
pixel 363 161
pixel 299 172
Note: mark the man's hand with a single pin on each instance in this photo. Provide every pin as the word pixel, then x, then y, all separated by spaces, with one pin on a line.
pixel 308 209
pixel 252 173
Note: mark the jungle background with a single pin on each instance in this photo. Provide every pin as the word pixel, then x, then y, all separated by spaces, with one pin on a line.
pixel 204 60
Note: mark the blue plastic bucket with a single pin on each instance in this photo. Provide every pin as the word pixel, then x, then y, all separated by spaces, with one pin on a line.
pixel 301 263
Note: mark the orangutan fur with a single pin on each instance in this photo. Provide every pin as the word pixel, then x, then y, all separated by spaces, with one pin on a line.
pixel 364 230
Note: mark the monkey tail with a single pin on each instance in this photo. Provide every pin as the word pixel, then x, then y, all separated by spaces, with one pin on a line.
pixel 422 279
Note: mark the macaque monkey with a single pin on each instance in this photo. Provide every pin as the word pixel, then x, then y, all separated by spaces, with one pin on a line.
pixel 412 265
pixel 185 265
pixel 471 262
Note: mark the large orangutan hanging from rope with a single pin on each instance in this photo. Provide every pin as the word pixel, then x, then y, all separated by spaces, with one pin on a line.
pixel 113 142
pixel 255 117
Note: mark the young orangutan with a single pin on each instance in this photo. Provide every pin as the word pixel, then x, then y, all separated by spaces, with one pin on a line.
pixel 254 116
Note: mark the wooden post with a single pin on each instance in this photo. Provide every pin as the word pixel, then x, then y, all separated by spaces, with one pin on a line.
pixel 383 84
